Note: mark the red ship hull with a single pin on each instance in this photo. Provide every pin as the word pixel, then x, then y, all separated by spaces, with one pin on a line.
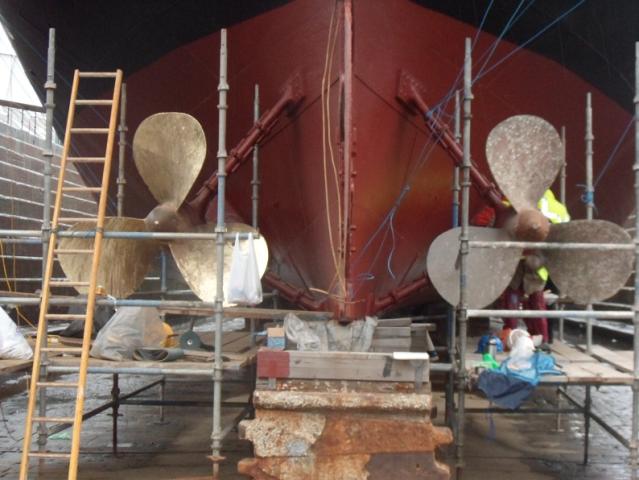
pixel 349 222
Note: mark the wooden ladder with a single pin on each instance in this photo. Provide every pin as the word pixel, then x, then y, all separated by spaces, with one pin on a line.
pixel 42 346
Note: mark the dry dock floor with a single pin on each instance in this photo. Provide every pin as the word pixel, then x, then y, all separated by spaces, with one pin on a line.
pixel 524 447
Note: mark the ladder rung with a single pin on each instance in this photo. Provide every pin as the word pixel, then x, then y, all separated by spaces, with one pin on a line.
pixel 97 74
pixel 89 130
pixel 54 419
pixel 86 159
pixel 57 384
pixel 77 219
pixel 61 349
pixel 94 102
pixel 72 251
pixel 65 316
pixel 81 189
pixel 49 455
pixel 67 283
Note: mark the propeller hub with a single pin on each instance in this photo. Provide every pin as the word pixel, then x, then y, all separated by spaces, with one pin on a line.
pixel 163 218
pixel 531 226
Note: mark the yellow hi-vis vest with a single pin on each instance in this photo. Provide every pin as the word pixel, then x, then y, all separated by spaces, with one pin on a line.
pixel 552 209
pixel 555 212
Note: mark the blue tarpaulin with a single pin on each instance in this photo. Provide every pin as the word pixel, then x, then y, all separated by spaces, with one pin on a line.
pixel 509 388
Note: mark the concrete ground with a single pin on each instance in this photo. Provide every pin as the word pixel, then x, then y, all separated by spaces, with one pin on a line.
pixel 498 447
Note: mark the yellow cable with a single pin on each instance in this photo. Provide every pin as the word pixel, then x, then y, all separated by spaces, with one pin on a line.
pixel 340 226
pixel 324 141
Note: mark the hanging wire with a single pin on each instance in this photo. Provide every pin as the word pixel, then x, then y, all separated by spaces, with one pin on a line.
pixel 438 111
pixel 531 39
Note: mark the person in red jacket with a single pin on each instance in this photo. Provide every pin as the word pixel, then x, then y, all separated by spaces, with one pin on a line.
pixel 526 288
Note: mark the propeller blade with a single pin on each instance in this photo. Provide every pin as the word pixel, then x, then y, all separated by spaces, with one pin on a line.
pixel 123 264
pixel 169 150
pixel 196 259
pixel 489 270
pixel 524 154
pixel 588 276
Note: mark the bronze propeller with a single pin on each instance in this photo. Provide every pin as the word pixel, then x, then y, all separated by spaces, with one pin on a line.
pixel 169 151
pixel 524 155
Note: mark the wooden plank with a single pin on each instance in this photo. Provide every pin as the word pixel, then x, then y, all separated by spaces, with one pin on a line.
pixel 394 322
pixel 363 366
pixel 621 359
pixel 569 353
pixel 594 373
pixel 12 366
pixel 420 327
pixel 402 344
pixel 392 332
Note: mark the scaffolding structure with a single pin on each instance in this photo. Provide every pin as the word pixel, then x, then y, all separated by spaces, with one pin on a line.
pixel 465 314
pixel 457 349
pixel 219 370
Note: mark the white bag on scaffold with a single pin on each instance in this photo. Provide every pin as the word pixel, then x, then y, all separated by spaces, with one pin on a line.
pixel 245 286
pixel 12 344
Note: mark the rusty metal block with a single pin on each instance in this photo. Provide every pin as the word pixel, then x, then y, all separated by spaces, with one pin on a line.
pixel 309 434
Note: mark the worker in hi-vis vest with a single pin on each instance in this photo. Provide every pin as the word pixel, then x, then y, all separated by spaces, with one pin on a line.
pixel 526 288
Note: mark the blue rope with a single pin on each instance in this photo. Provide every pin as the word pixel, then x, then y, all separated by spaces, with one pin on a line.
pixel 509 24
pixel 588 198
pixel 439 111
pixel 405 191
pixel 531 39
pixel 496 43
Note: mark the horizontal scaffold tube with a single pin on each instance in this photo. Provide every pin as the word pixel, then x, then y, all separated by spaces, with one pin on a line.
pixel 553 245
pixel 128 235
pixel 474 313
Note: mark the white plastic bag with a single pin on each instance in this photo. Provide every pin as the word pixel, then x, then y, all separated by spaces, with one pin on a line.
pixel 300 332
pixel 245 286
pixel 12 344
pixel 128 329
pixel 522 350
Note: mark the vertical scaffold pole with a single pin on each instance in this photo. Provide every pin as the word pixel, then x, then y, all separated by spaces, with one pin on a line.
pixel 452 314
pixel 49 87
pixel 562 199
pixel 255 183
pixel 463 266
pixel 458 137
pixel 634 440
pixel 121 152
pixel 220 229
pixel 589 198
pixel 562 173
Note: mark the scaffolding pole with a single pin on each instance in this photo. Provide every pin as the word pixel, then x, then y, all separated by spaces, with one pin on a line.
pixel 122 129
pixel 128 235
pixel 49 86
pixel 463 266
pixel 634 438
pixel 452 313
pixel 589 199
pixel 220 230
pixel 562 173
pixel 255 183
